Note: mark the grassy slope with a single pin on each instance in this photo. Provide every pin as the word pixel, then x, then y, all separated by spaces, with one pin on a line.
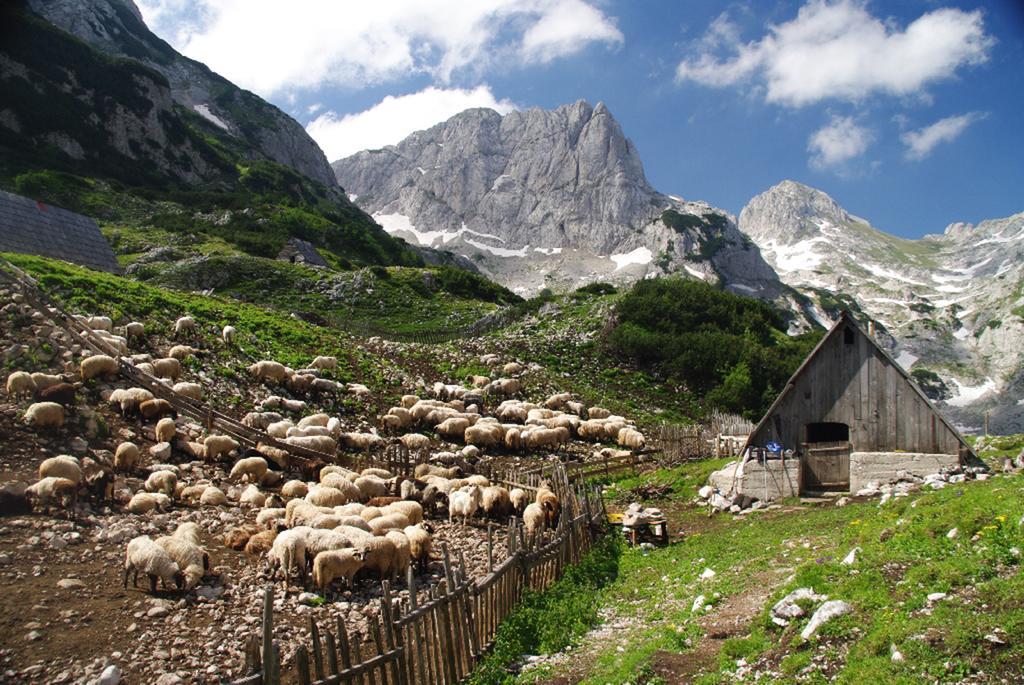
pixel 905 555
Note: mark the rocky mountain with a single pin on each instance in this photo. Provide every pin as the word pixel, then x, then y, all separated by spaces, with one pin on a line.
pixel 549 199
pixel 116 28
pixel 950 307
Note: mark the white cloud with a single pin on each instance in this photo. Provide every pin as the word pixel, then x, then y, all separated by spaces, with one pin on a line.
pixel 840 50
pixel 835 144
pixel 394 118
pixel 921 142
pixel 270 46
pixel 314 108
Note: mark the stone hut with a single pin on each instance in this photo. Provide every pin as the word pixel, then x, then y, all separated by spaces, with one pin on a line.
pixel 299 251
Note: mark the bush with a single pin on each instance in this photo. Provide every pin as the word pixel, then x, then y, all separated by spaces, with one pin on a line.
pixel 598 288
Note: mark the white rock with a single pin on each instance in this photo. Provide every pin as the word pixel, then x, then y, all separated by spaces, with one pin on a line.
pixel 69 583
pixel 698 604
pixel 897 655
pixel 161 451
pixel 851 558
pixel 826 612
pixel 953 532
pixel 787 607
pixel 708 574
pixel 706 492
pixel 111 675
pixel 719 503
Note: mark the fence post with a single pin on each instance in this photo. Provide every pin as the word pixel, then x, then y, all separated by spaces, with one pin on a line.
pixel 268 636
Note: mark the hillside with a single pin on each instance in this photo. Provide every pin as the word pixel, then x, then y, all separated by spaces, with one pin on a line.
pixel 948 306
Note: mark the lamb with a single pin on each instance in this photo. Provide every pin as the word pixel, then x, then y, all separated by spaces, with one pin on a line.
pixel 61 466
pixel 134 329
pixel 145 502
pixel 45 415
pixel 411 510
pixel 464 503
pixel 403 552
pixel 420 544
pixel 145 555
pixel 213 497
pixel 168 367
pixel 192 493
pixel 533 519
pixel 331 565
pixel 631 438
pixel 228 335
pixel 189 557
pixel 45 380
pixel 325 363
pixel 126 457
pixel 193 391
pixel 97 365
pixel 496 502
pixel 162 481
pixel 250 469
pixel 219 445
pixel 269 371
pixel 296 432
pixel 20 384
pixel 165 430
pixel 62 393
pixel 415 442
pixel 388 521
pixel 289 552
pixel 252 497
pixel 151 409
pixel 397 418
pixel 261 419
pixel 294 488
pixel 50 490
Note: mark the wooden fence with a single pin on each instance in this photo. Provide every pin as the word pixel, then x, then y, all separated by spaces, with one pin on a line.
pixel 438 635
pixel 721 435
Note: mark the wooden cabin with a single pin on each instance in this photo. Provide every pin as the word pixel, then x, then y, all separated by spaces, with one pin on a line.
pixel 850 415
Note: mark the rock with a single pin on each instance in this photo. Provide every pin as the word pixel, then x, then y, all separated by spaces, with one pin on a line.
pixel 706 492
pixel 70 583
pixel 157 612
pixel 161 451
pixel 698 604
pixel 787 608
pixel 936 596
pixel 885 498
pixel 708 574
pixel 870 490
pixel 111 675
pixel 33 636
pixel 169 679
pixel 953 533
pixel 77 444
pixel 309 598
pixel 897 655
pixel 719 503
pixel 842 501
pixel 826 612
pixel 851 558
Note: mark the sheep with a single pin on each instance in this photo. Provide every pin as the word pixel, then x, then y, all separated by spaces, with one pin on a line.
pixel 250 469
pixel 188 531
pixel 45 415
pixel 126 457
pixel 343 484
pixel 548 501
pixel 189 557
pixel 134 329
pixel 218 446
pixel 409 401
pixel 169 367
pixel 213 497
pixel 228 335
pixel 181 352
pixel 261 543
pixel 238 538
pixel 519 499
pixel 598 413
pixel 415 442
pixel 97 365
pixel 360 441
pixel 545 437
pixel 145 502
pixel 300 383
pixel 61 466
pixel 45 380
pixel 371 486
pixel 631 438
pixel 192 493
pixel 62 393
pixel 261 419
pixel 379 473
pixel 558 400
pixel 185 327
pixel 296 432
pixel 397 418
pixel 512 369
pixel 496 502
pixel 464 503
pixel 423 470
pixel 331 565
pixel 288 552
pixel 319 443
pixel 20 383
pixel 357 389
pixel 129 399
pixel 294 488
pixel 162 481
pixel 252 497
pixel 266 518
pixel 279 429
pixel 403 551
pixel 324 496
pixel 52 489
pixel 378 555
pixel 100 323
pixel 484 434
pixel 452 427
pixel 274 455
pixel 193 391
pixel 514 438
pixel 269 371
pixel 388 521
pixel 151 409
pixel 411 510
pixel 533 519
pixel 325 363
pixel 145 555
pixel 165 430
pixel 504 387
pixel 420 544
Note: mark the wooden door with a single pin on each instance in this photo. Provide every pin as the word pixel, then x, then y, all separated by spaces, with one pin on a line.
pixel 826 466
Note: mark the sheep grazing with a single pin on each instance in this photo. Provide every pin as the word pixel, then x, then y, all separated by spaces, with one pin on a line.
pixel 100 323
pixel 193 391
pixel 484 434
pixel 325 363
pixel 145 555
pixel 415 442
pixel 631 438
pixel 238 538
pixel 162 481
pixel 169 367
pixel 61 466
pixel 251 469
pixel 378 555
pixel 512 369
pixel 228 335
pixel 294 488
pixel 496 502
pixel 269 371
pixel 519 499
pixel 464 503
pixel 134 329
pixel 145 502
pixel 20 384
pixel 50 490
pixel 598 413
pixel 185 327
pixel 266 518
pixel 533 519
pixel 181 352
pixel 411 510
pixel 126 457
pixel 360 441
pixel 190 558
pixel 548 501
pixel 318 443
pixel 129 399
pixel 218 446
pixel 358 389
pixel 420 545
pixel 213 497
pixel 261 543
pixel 260 419
pixel 557 401
pixel 403 552
pixel 371 486
pixel 188 531
pixel 96 366
pixel 336 564
pixel 409 401
pixel 155 408
pixel 454 427
pixel 388 521
pixel 45 380
pixel 323 496
pixel 288 553
pixel 62 393
pixel 45 415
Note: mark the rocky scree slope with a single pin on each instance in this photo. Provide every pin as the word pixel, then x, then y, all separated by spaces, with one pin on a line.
pixel 949 307
pixel 548 199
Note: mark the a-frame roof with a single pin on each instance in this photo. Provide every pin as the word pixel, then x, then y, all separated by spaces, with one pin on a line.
pixel 846 320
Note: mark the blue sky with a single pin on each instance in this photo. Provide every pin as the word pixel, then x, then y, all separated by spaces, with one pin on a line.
pixel 910 113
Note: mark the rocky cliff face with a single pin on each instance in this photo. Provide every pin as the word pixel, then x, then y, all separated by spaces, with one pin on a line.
pixel 950 306
pixel 548 199
pixel 116 27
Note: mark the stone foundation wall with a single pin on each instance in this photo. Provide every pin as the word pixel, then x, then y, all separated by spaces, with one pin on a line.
pixel 770 481
pixel 884 467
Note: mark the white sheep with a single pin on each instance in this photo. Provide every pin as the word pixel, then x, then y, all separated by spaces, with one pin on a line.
pixel 181 352
pixel 45 380
pixel 97 365
pixel 415 442
pixel 319 443
pixel 403 551
pixel 360 441
pixel 145 502
pixel 324 363
pixel 185 327
pixel 289 552
pixel 252 497
pixel 193 391
pixel 358 389
pixel 251 469
pixel 324 496
pixel 165 429
pixel 388 521
pixel 129 399
pixel 213 497
pixel 598 413
pixel 228 335
pixel 143 554
pixel 162 481
pixel 519 499
pixel 126 457
pixel 631 438
pixel 189 557
pixel 219 445
pixel 294 488
pixel 371 486
pixel 464 503
pixel 496 502
pixel 269 371
pixel 420 545
pixel 409 401
pixel 346 486
pixel 411 510
pixel 188 531
pixel 20 384
pixel 335 564
pixel 533 519
pixel 379 555
pixel 61 466
pixel 45 415
pixel 134 329
pixel 276 429
pixel 484 434
pixel 169 367
pixel 51 490
pixel 267 517
pixel 558 400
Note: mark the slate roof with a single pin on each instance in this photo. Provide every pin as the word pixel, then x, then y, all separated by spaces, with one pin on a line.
pixel 301 251
pixel 32 227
